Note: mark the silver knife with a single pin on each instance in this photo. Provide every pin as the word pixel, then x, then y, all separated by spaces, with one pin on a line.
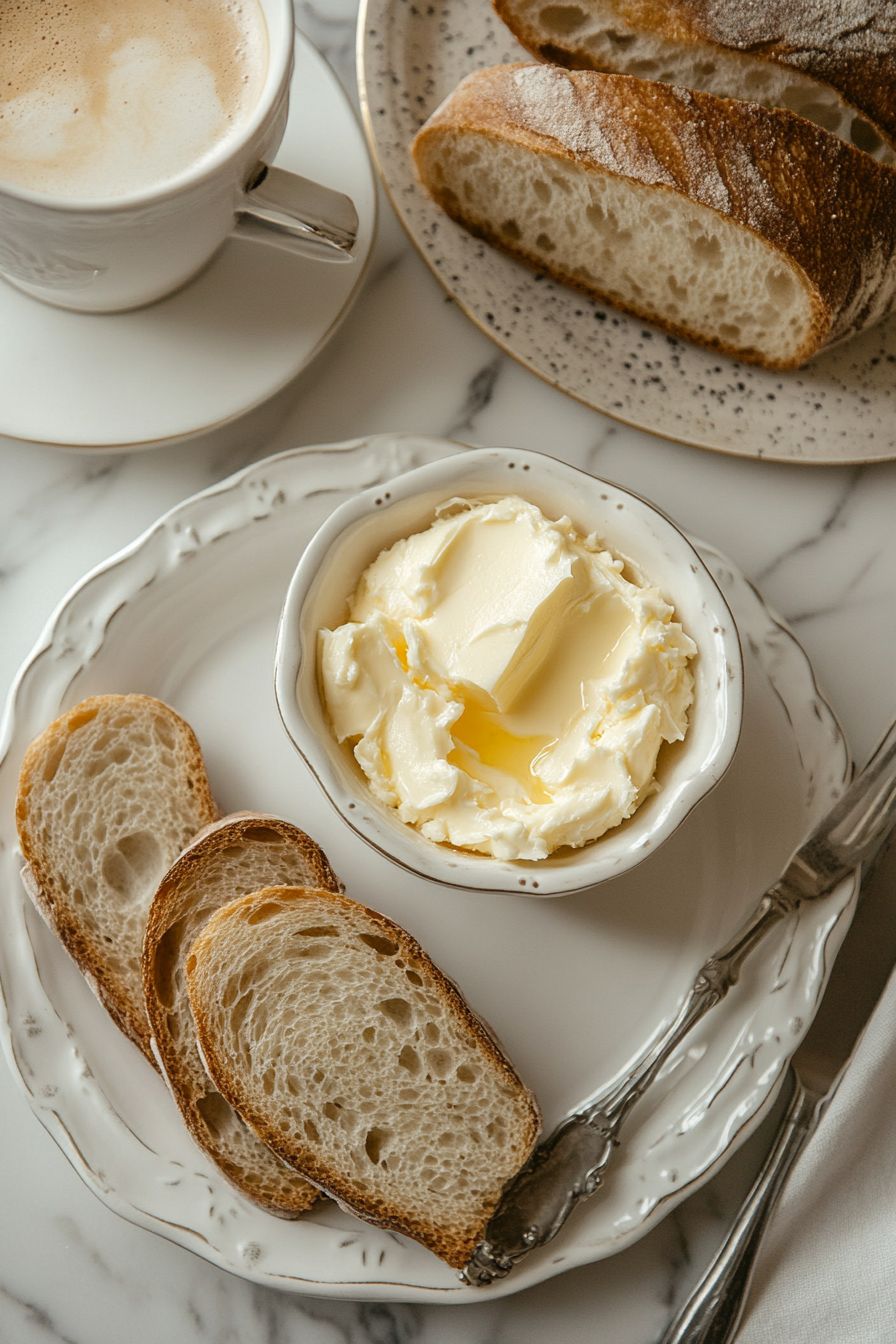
pixel 568 1166
pixel 713 1310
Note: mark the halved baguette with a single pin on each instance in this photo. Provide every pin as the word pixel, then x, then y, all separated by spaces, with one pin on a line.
pixel 351 1055
pixel 236 855
pixel 109 794
pixel 832 63
pixel 742 227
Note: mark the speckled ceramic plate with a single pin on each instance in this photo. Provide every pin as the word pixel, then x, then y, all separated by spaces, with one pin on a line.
pixel 841 408
pixel 575 986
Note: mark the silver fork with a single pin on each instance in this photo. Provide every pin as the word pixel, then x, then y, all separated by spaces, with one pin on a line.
pixel 713 1310
pixel 569 1165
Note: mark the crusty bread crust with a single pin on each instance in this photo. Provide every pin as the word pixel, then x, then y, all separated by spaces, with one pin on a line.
pixel 268 1183
pixel 850 47
pixel 45 886
pixel 452 1244
pixel 825 208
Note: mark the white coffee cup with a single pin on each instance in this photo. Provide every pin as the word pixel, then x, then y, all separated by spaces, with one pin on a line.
pixel 105 256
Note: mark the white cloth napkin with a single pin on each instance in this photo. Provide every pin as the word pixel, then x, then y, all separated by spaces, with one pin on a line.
pixel 826 1273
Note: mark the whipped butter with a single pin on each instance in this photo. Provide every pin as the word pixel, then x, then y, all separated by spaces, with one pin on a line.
pixel 504 682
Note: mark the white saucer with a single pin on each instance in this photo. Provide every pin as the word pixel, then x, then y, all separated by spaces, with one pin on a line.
pixel 221 346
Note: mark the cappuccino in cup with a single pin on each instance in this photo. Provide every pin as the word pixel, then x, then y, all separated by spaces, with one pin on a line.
pixel 137 136
pixel 102 99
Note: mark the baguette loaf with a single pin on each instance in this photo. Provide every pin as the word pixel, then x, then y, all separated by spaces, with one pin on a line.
pixel 236 855
pixel 742 227
pixel 109 795
pixel 349 1053
pixel 832 63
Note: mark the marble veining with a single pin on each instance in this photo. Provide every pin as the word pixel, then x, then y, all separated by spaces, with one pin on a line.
pixel 480 392
pixel 820 543
pixel 833 520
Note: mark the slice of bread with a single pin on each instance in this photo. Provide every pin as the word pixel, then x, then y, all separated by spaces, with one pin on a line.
pixel 109 795
pixel 351 1055
pixel 832 63
pixel 741 227
pixel 236 855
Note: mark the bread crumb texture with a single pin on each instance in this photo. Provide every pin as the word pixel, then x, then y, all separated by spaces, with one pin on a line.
pixel 109 795
pixel 739 226
pixel 831 61
pixel 345 1048
pixel 238 855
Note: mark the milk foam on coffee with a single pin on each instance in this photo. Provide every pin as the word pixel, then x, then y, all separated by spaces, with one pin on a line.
pixel 103 98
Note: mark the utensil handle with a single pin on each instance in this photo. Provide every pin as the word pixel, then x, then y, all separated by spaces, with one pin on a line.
pixel 295 213
pixel 712 1313
pixel 849 835
pixel 856 826
pixel 569 1165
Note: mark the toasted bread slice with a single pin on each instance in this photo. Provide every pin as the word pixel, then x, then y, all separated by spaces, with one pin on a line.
pixel 742 227
pixel 236 855
pixel 832 63
pixel 109 795
pixel 351 1055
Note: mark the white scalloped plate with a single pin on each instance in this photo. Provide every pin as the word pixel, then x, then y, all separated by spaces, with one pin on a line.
pixel 575 987
pixel 839 408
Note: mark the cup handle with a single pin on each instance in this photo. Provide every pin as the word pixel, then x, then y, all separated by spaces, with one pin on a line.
pixel 298 214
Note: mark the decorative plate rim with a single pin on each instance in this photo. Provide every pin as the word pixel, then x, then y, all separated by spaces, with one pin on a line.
pixel 843 902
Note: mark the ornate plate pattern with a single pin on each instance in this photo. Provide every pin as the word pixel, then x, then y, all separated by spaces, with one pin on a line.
pixel 576 986
pixel 840 408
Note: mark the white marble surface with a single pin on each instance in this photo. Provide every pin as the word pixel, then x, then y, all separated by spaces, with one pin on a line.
pixel 821 545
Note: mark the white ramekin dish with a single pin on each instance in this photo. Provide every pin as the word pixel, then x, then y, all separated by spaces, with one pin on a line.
pixel 354 535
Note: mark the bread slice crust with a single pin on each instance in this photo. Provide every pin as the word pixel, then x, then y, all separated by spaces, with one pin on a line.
pixel 453 1242
pixel 849 48
pixel 188 895
pixel 823 208
pixel 112 969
